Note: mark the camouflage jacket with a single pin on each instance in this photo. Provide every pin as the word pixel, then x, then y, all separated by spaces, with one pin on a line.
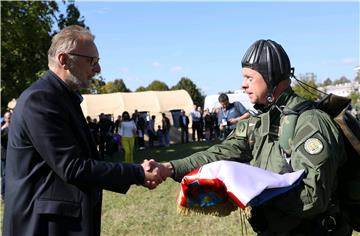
pixel 317 147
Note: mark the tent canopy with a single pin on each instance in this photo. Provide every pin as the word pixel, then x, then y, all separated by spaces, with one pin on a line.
pixel 154 102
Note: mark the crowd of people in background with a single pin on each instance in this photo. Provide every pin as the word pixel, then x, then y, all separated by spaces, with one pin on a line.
pixel 127 133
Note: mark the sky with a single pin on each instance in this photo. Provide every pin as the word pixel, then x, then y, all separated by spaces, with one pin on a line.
pixel 205 41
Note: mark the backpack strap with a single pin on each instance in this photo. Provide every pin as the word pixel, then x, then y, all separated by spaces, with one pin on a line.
pixel 303 106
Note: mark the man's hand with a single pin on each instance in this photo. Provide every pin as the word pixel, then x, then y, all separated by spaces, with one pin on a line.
pixel 154 170
pixel 166 170
pixel 152 174
pixel 233 120
pixel 221 127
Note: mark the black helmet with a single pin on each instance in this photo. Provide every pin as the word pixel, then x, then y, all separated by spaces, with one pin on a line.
pixel 270 60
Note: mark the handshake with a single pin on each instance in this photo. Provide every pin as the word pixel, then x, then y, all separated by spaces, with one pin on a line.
pixel 155 173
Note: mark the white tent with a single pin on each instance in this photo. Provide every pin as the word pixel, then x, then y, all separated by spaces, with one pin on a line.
pixel 152 102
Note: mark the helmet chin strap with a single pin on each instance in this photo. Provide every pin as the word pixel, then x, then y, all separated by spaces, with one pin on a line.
pixel 269 101
pixel 269 96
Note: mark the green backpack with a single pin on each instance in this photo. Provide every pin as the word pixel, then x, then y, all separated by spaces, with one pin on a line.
pixel 349 172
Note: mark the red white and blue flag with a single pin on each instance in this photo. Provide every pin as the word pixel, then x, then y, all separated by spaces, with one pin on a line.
pixel 216 186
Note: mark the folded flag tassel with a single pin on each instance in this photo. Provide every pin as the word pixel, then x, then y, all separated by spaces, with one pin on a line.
pixel 220 187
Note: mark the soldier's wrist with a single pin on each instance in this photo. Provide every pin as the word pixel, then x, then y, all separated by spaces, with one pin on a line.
pixel 170 169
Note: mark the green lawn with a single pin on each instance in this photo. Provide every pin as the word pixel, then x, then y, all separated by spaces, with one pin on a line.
pixel 145 212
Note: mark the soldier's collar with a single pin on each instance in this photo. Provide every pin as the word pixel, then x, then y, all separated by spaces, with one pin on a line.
pixel 281 100
pixel 284 96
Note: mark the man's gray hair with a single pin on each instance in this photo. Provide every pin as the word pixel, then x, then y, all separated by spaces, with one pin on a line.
pixel 66 40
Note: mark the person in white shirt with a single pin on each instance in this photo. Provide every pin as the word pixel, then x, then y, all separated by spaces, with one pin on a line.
pixel 127 132
pixel 195 118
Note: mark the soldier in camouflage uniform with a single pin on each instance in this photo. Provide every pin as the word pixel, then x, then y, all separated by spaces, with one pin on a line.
pixel 280 142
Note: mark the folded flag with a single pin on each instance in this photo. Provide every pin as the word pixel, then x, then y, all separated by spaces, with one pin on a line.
pixel 220 187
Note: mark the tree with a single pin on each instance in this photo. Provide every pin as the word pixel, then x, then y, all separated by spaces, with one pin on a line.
pixel 355 97
pixel 194 92
pixel 107 88
pixel 157 85
pixel 72 17
pixel 26 30
pixel 327 82
pixel 304 90
pixel 342 80
pixel 119 86
pixel 140 89
pixel 357 78
pixel 25 39
pixel 115 86
pixel 99 86
pixel 96 86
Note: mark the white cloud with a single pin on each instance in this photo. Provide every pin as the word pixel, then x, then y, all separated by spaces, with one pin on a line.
pixel 344 61
pixel 349 61
pixel 175 69
pixel 156 64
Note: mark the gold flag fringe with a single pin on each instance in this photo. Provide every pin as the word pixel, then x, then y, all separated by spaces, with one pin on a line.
pixel 247 212
pixel 220 210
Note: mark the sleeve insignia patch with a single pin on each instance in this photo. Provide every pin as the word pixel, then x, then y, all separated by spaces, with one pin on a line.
pixel 242 127
pixel 313 146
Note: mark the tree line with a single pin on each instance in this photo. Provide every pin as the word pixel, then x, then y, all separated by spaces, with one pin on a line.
pixel 26 31
pixel 27 28
pixel 98 86
pixel 313 94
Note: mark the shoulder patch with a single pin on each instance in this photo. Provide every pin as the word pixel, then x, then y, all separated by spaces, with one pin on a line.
pixel 315 149
pixel 313 146
pixel 241 128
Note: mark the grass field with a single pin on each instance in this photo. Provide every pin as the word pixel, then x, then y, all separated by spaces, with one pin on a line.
pixel 145 212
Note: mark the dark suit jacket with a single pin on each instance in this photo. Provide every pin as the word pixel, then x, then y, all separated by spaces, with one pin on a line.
pixel 181 122
pixel 54 176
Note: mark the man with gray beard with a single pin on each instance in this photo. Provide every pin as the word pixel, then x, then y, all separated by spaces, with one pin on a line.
pixel 54 174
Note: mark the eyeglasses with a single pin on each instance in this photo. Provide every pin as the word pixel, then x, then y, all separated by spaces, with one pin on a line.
pixel 94 60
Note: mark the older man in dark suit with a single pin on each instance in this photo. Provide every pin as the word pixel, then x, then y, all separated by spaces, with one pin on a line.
pixel 54 175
